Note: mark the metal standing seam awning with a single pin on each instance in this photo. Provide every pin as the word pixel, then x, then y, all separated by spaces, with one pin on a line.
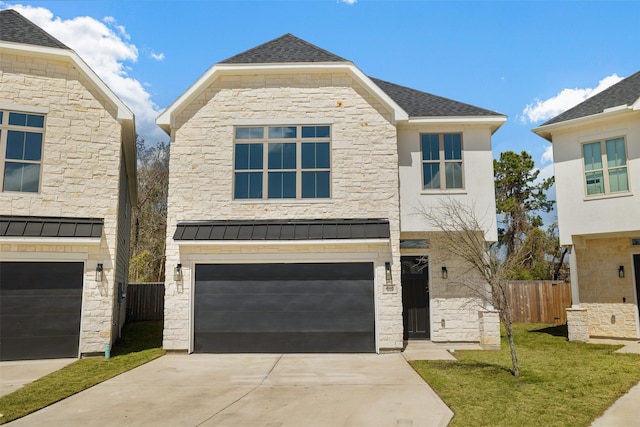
pixel 54 227
pixel 283 230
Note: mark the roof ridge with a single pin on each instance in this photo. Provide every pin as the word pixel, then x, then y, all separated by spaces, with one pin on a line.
pixel 14 27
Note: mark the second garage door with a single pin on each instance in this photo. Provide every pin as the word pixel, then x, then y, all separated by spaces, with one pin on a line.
pixel 284 308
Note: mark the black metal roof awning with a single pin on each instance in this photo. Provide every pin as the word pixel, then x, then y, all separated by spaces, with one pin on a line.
pixel 315 229
pixel 30 226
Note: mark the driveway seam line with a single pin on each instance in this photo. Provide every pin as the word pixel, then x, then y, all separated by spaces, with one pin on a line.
pixel 244 395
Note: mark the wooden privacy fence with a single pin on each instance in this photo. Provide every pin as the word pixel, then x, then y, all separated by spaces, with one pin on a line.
pixel 539 301
pixel 145 301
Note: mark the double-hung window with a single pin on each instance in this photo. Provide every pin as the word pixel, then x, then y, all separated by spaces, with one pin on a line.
pixel 282 162
pixel 21 141
pixel 441 161
pixel 605 166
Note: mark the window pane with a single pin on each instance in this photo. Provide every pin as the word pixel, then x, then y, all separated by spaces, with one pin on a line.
pixel 248 156
pixel 453 174
pixel 33 146
pixel 282 156
pixel 595 182
pixel 12 176
pixel 315 131
pixel 430 147
pixel 21 177
pixel 250 133
pixel 592 156
pixel 618 180
pixel 17 119
pixel 315 185
pixel 282 132
pixel 315 155
pixel 616 155
pixel 452 147
pixel 30 177
pixel 15 145
pixel 1 116
pixel 255 156
pixel 35 121
pixel 282 185
pixel 242 156
pixel 431 173
pixel 248 185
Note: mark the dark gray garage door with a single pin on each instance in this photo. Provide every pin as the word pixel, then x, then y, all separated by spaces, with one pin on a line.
pixel 284 308
pixel 40 304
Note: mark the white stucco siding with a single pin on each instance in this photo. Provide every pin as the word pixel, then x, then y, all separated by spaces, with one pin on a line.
pixel 478 188
pixel 582 215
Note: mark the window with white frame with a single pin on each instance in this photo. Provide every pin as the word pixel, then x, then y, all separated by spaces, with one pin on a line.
pixel 21 143
pixel 282 162
pixel 605 166
pixel 441 161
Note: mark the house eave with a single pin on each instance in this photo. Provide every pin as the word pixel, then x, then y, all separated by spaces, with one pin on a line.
pixel 494 122
pixel 380 241
pixel 166 120
pixel 545 131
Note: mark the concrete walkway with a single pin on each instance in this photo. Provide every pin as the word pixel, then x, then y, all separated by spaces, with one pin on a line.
pixel 256 390
pixel 15 374
pixel 625 412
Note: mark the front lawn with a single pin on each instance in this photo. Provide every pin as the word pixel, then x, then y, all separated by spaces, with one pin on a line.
pixel 561 383
pixel 141 342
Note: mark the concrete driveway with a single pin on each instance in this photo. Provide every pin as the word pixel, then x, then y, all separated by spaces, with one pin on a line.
pixel 256 390
pixel 15 374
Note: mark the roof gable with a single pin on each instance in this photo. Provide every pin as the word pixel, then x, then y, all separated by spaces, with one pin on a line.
pixel 287 48
pixel 423 104
pixel 18 29
pixel 625 92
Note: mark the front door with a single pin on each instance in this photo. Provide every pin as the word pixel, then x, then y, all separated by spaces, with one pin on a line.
pixel 636 266
pixel 415 297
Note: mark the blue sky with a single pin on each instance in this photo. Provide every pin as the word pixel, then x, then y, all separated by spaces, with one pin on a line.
pixel 529 60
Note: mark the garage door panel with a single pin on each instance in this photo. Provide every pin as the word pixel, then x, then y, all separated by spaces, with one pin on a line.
pixel 337 342
pixel 40 309
pixel 57 302
pixel 284 302
pixel 284 308
pixel 229 321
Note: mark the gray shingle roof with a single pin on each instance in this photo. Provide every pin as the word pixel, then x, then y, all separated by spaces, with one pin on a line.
pixel 18 29
pixel 625 92
pixel 315 229
pixel 31 226
pixel 423 104
pixel 287 48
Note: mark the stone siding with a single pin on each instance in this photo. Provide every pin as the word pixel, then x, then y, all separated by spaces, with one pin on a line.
pixel 80 174
pixel 364 174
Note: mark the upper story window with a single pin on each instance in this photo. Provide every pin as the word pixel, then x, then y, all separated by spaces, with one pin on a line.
pixel 282 162
pixel 441 161
pixel 605 166
pixel 21 140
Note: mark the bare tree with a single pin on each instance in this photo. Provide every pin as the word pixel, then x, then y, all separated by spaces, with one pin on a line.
pixel 462 235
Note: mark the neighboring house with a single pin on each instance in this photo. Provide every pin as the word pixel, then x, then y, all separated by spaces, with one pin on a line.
pixel 596 155
pixel 294 190
pixel 67 181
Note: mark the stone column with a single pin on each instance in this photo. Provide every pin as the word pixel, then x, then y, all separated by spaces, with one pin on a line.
pixel 577 324
pixel 489 329
pixel 573 269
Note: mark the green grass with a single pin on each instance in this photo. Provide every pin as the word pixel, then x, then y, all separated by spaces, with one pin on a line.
pixel 561 383
pixel 141 342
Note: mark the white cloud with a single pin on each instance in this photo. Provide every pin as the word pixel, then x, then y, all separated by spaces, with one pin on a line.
pixel 157 56
pixel 105 47
pixel 546 163
pixel 565 99
pixel 349 1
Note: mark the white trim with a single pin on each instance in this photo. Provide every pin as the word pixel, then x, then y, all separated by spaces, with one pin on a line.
pixel 166 120
pixel 545 131
pixel 491 120
pixel 51 240
pixel 68 55
pixel 284 122
pixel 24 108
pixel 44 256
pixel 281 242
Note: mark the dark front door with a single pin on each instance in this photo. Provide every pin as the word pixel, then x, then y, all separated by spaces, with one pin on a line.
pixel 636 266
pixel 415 297
pixel 284 308
pixel 40 304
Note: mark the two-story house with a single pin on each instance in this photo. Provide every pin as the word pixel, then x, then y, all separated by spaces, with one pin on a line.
pixel 67 184
pixel 596 157
pixel 295 188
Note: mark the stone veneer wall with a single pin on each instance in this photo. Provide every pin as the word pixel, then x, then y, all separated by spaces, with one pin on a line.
pixel 602 292
pixel 364 172
pixel 80 171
